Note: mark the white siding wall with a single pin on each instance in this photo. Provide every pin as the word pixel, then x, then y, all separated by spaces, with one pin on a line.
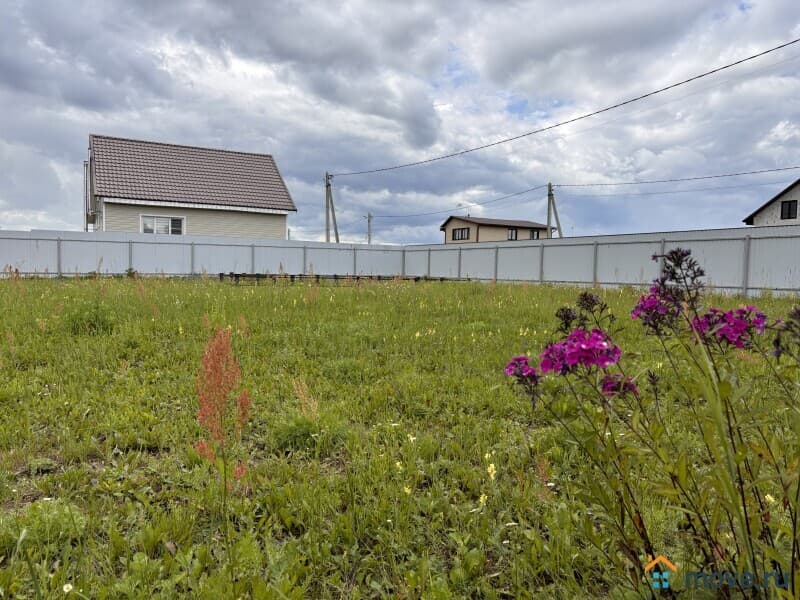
pixel 125 218
pixel 771 215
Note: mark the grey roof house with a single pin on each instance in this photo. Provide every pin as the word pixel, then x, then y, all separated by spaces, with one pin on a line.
pixel 464 230
pixel 781 209
pixel 167 189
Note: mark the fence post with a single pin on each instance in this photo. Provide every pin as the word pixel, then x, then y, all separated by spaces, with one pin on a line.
pixel 252 258
pixel 594 264
pixel 58 256
pixel 191 258
pixel 746 268
pixel 355 263
pixel 403 265
pixel 496 260
pixel 305 259
pixel 459 262
pixel 429 263
pixel 130 256
pixel 541 263
pixel 661 260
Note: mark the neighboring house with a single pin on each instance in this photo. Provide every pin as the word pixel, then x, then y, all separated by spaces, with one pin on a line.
pixel 780 210
pixel 465 230
pixel 166 189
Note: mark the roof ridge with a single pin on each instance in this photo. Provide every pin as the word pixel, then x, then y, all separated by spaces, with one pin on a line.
pixel 192 146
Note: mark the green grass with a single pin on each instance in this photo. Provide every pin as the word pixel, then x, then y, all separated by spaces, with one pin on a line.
pixel 374 483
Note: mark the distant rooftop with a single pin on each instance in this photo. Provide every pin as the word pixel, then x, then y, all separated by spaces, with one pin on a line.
pixel 497 222
pixel 142 170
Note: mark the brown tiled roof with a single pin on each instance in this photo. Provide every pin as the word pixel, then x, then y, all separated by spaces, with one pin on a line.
pixel 496 222
pixel 141 170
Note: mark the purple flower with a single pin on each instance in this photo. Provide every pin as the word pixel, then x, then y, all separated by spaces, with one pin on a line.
pixel 734 327
pixel 592 349
pixel 616 383
pixel 520 368
pixel 581 348
pixel 553 359
pixel 658 309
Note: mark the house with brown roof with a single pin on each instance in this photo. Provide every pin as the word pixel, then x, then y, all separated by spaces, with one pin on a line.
pixel 781 209
pixel 167 189
pixel 465 230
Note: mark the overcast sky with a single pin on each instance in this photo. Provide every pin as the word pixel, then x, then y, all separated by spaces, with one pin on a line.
pixel 366 84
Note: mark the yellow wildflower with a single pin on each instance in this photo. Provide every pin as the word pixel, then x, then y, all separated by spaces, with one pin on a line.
pixel 491 471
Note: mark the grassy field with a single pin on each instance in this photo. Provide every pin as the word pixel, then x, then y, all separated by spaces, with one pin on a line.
pixel 387 453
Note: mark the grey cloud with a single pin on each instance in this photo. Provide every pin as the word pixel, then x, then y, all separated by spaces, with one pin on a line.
pixel 363 81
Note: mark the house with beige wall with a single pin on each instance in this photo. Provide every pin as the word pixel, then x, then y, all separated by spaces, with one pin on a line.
pixel 167 189
pixel 466 230
pixel 781 209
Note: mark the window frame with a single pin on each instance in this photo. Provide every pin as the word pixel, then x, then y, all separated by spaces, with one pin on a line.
pixel 788 210
pixel 534 234
pixel 168 218
pixel 460 234
pixel 513 234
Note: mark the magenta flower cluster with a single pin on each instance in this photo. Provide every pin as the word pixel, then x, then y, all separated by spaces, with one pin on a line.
pixel 658 308
pixel 614 384
pixel 520 368
pixel 733 327
pixel 581 348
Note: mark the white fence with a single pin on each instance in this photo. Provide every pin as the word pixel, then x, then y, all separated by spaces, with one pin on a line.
pixel 745 260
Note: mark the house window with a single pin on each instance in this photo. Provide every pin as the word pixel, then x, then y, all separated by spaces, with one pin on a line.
pixel 789 209
pixel 162 225
pixel 534 234
pixel 512 234
pixel 460 233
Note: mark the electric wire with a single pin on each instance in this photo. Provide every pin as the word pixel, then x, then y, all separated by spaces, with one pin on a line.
pixel 572 120
pixel 645 182
pixel 675 179
pixel 665 192
pixel 437 212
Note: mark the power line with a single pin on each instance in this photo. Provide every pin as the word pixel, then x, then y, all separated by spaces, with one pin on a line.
pixel 654 107
pixel 437 212
pixel 574 119
pixel 676 179
pixel 644 182
pixel 719 187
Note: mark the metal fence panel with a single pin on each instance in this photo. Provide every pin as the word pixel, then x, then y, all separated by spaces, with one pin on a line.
pixel 477 263
pixel 723 260
pixel 627 263
pixel 102 257
pixel 216 258
pixel 518 264
pixel 569 263
pixel 444 262
pixel 374 261
pixel 276 259
pixel 774 264
pixel 331 261
pixel 170 259
pixel 416 263
pixel 29 256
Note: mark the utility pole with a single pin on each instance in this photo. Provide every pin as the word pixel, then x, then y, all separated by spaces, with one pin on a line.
pixel 369 228
pixel 549 210
pixel 330 210
pixel 552 211
pixel 328 207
